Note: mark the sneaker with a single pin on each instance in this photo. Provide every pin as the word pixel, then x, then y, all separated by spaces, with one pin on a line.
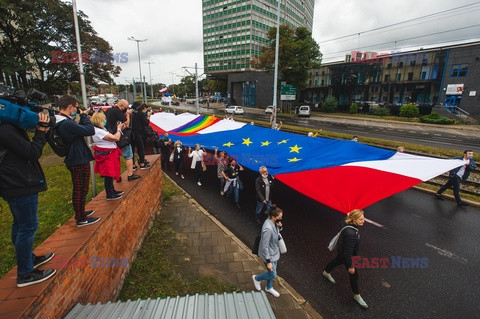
pixel 273 292
pixel 222 193
pixel 135 167
pixel 183 177
pixel 199 184
pixel 238 205
pixel 176 173
pixel 119 192
pixel 256 283
pixel 328 276
pixel 360 301
pixel 145 166
pixel 114 197
pixel 89 213
pixel 88 221
pixel 463 204
pixel 438 196
pixel 40 260
pixel 34 277
pixel 133 177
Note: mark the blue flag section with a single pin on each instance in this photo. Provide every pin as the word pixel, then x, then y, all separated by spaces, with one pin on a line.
pixel 283 152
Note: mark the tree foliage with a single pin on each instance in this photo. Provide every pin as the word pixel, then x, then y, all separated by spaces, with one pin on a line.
pixel 298 53
pixel 32 30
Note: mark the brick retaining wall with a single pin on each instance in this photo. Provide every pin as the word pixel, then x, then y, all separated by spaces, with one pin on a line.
pixel 81 275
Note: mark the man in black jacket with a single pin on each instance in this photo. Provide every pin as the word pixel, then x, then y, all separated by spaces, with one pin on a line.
pixel 79 155
pixel 21 179
pixel 263 188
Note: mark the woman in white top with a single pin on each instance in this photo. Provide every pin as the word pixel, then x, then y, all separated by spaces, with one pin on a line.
pixel 197 160
pixel 107 154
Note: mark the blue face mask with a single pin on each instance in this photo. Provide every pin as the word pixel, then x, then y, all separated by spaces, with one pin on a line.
pixel 73 114
pixel 105 124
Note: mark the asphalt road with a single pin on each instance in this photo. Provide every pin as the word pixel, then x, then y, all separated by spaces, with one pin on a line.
pixel 409 224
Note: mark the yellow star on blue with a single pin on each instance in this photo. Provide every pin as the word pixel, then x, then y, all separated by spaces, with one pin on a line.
pixel 229 144
pixel 282 142
pixel 295 148
pixel 292 160
pixel 247 141
pixel 266 143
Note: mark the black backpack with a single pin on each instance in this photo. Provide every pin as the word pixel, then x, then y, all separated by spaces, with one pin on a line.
pixel 56 142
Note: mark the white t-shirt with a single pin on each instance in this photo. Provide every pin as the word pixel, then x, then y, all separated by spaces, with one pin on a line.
pixel 99 136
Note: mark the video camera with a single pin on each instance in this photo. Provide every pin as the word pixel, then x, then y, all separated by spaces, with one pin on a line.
pixel 17 108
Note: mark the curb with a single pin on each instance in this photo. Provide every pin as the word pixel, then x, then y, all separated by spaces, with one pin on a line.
pixel 426 190
pixel 292 292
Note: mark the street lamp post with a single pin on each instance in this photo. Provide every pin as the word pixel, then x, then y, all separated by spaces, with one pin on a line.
pixel 131 38
pixel 150 70
pixel 275 76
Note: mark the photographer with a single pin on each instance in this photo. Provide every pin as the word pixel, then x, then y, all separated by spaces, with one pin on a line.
pixel 21 179
pixel 79 155
pixel 140 120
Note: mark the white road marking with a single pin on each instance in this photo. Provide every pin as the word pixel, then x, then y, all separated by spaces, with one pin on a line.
pixel 437 134
pixel 373 223
pixel 448 254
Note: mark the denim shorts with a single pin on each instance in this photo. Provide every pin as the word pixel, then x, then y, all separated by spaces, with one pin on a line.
pixel 127 152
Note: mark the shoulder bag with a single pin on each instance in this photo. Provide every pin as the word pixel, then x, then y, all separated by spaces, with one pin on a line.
pixel 333 243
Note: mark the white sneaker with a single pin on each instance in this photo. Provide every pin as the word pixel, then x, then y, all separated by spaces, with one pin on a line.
pixel 360 301
pixel 256 283
pixel 199 184
pixel 328 276
pixel 273 292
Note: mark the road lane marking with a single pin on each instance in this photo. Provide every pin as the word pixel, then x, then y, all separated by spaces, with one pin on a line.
pixel 373 223
pixel 448 254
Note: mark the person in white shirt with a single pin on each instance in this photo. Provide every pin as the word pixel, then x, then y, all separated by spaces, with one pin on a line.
pixel 107 154
pixel 197 162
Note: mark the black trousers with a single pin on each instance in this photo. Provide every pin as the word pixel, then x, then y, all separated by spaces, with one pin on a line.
pixel 139 143
pixel 179 166
pixel 198 171
pixel 453 182
pixel 109 188
pixel 339 260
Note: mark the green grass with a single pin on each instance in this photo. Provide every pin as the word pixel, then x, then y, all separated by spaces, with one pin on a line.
pixel 156 273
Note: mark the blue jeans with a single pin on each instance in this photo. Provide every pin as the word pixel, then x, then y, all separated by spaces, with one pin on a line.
pixel 236 193
pixel 268 275
pixel 259 208
pixel 25 223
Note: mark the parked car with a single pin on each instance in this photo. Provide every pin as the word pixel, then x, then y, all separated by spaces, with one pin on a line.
pixel 233 109
pixel 304 110
pixel 269 109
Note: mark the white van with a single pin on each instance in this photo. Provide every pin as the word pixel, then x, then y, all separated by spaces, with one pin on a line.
pixel 304 110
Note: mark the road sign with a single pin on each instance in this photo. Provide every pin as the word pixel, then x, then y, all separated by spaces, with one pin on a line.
pixel 288 93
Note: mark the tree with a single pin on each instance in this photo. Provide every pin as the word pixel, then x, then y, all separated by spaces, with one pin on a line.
pixel 298 53
pixel 34 30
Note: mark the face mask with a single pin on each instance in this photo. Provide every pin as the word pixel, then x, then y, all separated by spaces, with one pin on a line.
pixel 73 114
pixel 469 156
pixel 197 148
pixel 105 124
pixel 265 175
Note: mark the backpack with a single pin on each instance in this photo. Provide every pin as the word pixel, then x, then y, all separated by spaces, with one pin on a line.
pixel 56 142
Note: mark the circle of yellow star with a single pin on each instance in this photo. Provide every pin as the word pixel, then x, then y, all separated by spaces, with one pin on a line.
pixel 292 160
pixel 295 148
pixel 282 142
pixel 229 144
pixel 247 141
pixel 266 143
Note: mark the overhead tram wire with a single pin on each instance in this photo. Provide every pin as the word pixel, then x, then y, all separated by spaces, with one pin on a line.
pixel 408 26
pixel 398 23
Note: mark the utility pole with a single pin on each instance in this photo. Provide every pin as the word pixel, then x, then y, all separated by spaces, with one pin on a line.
pixel 196 86
pixel 84 89
pixel 139 60
pixel 150 71
pixel 275 76
pixel 145 89
pixel 134 90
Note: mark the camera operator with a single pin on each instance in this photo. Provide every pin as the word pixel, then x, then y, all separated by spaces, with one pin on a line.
pixel 21 179
pixel 79 155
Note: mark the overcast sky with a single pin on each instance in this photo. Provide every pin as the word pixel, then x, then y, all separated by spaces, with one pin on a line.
pixel 174 29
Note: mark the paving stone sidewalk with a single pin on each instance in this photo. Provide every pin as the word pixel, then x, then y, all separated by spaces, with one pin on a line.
pixel 204 246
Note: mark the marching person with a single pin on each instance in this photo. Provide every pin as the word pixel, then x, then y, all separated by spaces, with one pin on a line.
pixel 107 154
pixel 79 155
pixel 21 179
pixel 197 161
pixel 458 175
pixel 140 120
pixel 178 155
pixel 232 181
pixel 269 250
pixel 263 185
pixel 346 248
pixel 221 166
pixel 165 149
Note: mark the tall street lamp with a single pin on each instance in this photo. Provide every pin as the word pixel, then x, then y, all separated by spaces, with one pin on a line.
pixel 150 70
pixel 131 38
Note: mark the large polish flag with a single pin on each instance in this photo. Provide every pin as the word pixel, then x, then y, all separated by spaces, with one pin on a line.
pixel 344 175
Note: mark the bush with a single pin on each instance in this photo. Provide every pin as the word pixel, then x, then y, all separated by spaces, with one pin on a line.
pixel 381 111
pixel 330 104
pixel 434 118
pixel 354 108
pixel 409 110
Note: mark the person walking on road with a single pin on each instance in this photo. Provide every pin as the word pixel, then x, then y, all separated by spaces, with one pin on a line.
pixel 232 181
pixel 197 162
pixel 263 186
pixel 347 247
pixel 458 175
pixel 269 250
pixel 221 166
pixel 178 152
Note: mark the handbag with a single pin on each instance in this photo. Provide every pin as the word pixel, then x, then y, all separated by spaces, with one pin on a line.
pixel 126 138
pixel 171 157
pixel 256 245
pixel 281 244
pixel 204 167
pixel 333 243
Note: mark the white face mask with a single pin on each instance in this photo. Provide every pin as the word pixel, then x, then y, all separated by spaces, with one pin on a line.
pixel 265 175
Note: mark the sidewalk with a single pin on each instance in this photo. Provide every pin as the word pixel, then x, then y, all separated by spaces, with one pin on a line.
pixel 204 246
